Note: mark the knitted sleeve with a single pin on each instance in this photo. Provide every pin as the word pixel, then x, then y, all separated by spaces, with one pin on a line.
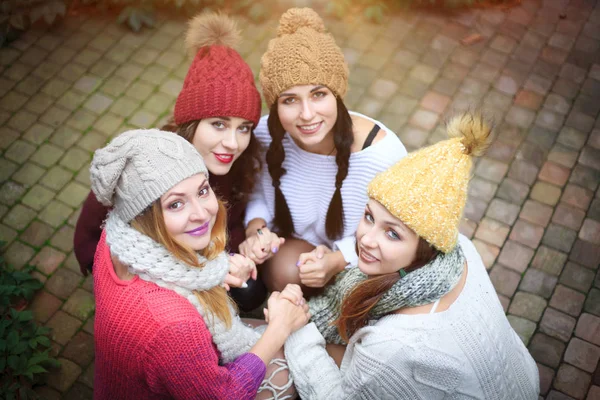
pixel 374 367
pixel 182 363
pixel 88 231
pixel 347 247
pixel 257 205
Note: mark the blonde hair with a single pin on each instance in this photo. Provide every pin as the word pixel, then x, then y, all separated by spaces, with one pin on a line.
pixel 152 224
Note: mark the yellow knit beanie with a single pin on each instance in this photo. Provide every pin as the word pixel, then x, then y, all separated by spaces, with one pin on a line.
pixel 427 190
pixel 303 53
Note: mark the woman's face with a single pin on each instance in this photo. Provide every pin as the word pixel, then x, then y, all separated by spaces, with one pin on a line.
pixel 308 113
pixel 385 244
pixel 222 140
pixel 190 211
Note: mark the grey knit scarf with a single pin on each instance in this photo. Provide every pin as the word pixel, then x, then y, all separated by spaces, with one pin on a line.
pixel 422 286
pixel 153 263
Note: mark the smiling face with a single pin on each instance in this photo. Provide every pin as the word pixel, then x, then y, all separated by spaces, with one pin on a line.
pixel 190 210
pixel 385 244
pixel 222 140
pixel 308 113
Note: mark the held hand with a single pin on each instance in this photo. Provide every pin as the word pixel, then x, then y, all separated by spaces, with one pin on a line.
pixel 315 271
pixel 261 246
pixel 242 267
pixel 284 315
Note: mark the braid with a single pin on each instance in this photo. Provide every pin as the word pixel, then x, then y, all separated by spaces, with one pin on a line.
pixel 343 137
pixel 275 157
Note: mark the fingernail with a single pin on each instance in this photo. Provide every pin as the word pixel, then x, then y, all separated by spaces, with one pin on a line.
pixel 274 249
pixel 298 264
pixel 244 285
pixel 231 254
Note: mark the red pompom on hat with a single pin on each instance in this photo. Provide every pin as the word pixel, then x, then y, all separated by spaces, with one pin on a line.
pixel 219 83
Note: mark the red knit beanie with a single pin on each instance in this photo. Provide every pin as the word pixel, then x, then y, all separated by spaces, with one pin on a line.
pixel 219 83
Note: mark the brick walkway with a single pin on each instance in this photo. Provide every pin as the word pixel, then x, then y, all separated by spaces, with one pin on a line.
pixel 534 206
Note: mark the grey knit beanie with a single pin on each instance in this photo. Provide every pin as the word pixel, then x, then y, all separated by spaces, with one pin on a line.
pixel 139 166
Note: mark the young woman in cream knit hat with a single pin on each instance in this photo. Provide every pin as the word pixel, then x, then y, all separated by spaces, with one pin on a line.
pixel 419 314
pixel 319 158
pixel 164 325
pixel 217 110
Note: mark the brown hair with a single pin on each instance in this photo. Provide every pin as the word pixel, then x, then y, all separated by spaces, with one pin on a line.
pixel 244 170
pixel 357 305
pixel 343 137
pixel 151 223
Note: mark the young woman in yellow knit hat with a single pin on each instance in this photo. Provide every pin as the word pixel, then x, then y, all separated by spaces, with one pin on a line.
pixel 319 158
pixel 420 315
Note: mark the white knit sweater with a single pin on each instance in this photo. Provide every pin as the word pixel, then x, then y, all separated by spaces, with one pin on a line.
pixel 309 183
pixel 469 351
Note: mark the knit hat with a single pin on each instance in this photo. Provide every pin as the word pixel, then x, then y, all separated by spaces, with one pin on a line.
pixel 218 83
pixel 427 190
pixel 139 166
pixel 303 53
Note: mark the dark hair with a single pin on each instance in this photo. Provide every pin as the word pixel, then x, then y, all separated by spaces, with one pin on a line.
pixel 357 305
pixel 343 137
pixel 244 170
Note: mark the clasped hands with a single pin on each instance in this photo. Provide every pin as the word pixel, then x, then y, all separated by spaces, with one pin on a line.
pixel 315 268
pixel 287 310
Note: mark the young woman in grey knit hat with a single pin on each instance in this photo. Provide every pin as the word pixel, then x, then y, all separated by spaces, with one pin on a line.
pixel 419 314
pixel 164 325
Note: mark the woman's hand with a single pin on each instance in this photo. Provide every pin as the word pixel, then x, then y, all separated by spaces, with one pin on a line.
pixel 241 269
pixel 285 314
pixel 319 266
pixel 261 245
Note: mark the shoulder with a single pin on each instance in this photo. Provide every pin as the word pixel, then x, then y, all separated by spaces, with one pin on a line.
pixel 386 145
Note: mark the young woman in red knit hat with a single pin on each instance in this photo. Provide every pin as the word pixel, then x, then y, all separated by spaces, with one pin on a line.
pixel 216 110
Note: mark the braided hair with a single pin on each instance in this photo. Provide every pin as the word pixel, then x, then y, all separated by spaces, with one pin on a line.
pixel 343 138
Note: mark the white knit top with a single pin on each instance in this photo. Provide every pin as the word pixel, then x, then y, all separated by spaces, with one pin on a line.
pixel 309 183
pixel 469 351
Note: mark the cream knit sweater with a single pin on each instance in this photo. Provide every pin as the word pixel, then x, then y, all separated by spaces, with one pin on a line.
pixel 469 351
pixel 309 183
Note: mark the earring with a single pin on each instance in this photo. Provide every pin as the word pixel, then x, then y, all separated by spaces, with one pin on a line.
pixel 402 273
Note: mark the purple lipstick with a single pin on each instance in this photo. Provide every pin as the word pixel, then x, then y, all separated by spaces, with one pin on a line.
pixel 199 231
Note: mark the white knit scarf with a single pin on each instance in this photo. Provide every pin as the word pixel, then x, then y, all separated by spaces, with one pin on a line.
pixel 153 263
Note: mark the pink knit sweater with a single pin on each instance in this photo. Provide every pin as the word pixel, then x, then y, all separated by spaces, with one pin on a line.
pixel 152 343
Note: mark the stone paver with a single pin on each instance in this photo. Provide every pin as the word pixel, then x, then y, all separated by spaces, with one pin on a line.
pixel 533 209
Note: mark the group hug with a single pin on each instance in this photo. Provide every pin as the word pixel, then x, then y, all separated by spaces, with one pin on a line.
pixel 313 211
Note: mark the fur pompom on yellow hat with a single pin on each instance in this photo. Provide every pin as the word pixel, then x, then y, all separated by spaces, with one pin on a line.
pixel 427 190
pixel 303 53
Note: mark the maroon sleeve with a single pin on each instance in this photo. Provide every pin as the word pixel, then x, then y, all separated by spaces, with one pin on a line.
pixel 88 231
pixel 235 225
pixel 181 363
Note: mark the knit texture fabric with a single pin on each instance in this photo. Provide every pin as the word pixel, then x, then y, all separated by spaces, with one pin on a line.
pixel 139 166
pixel 151 343
pixel 469 351
pixel 218 83
pixel 153 263
pixel 422 286
pixel 427 190
pixel 303 53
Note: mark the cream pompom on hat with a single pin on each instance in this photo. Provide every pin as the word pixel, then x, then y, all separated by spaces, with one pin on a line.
pixel 427 190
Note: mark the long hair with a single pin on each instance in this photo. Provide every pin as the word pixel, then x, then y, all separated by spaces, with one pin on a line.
pixel 244 170
pixel 151 223
pixel 343 138
pixel 357 305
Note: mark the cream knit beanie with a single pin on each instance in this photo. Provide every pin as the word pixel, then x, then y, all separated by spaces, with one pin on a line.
pixel 139 166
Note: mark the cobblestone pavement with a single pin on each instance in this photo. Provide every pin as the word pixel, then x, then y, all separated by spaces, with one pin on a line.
pixel 534 205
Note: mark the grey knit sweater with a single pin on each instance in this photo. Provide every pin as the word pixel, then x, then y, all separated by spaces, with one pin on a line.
pixel 469 351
